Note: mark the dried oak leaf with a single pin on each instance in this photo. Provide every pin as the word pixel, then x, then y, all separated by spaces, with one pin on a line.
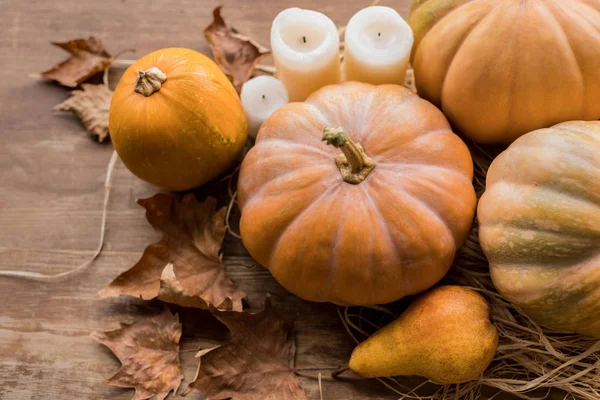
pixel 234 53
pixel 255 365
pixel 184 267
pixel 91 105
pixel 149 353
pixel 88 58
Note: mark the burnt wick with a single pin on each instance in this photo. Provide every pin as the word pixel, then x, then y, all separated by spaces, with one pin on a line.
pixel 304 39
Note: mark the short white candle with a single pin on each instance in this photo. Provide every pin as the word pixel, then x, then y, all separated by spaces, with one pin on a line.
pixel 260 97
pixel 305 47
pixel 377 46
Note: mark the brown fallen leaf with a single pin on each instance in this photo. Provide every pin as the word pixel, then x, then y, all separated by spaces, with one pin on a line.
pixel 187 259
pixel 88 58
pixel 409 80
pixel 255 365
pixel 149 353
pixel 91 105
pixel 234 53
pixel 171 291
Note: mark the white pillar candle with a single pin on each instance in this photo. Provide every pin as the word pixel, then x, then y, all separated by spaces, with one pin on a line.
pixel 260 97
pixel 377 46
pixel 305 46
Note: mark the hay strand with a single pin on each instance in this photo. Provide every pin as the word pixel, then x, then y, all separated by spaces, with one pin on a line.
pixel 36 276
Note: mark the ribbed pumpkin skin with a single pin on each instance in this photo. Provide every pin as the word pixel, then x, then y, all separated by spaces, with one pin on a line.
pixel 502 68
pixel 187 133
pixel 540 225
pixel 394 234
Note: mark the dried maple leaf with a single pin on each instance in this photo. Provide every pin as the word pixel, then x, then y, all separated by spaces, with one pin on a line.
pixel 255 365
pixel 171 291
pixel 234 53
pixel 187 259
pixel 149 353
pixel 91 105
pixel 88 58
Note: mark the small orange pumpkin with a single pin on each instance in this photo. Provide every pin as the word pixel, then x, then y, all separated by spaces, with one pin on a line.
pixel 356 224
pixel 175 119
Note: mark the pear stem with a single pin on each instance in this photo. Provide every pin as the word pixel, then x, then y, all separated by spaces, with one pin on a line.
pixel 340 371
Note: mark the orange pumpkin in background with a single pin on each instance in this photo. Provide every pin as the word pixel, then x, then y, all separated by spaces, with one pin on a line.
pixel 502 68
pixel 376 219
pixel 175 119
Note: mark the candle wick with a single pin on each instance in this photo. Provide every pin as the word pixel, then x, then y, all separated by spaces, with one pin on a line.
pixel 264 97
pixel 378 34
pixel 304 39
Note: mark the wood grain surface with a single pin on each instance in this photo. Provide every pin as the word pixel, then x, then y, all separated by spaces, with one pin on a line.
pixel 51 196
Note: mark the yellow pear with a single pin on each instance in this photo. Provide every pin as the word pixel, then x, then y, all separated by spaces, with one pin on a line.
pixel 445 336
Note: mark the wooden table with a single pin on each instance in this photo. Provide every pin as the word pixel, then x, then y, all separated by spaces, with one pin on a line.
pixel 52 192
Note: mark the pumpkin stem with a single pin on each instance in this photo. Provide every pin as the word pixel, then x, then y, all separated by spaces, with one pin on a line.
pixel 354 164
pixel 149 81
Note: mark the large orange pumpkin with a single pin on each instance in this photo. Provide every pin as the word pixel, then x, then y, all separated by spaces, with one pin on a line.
pixel 354 226
pixel 175 119
pixel 540 225
pixel 502 68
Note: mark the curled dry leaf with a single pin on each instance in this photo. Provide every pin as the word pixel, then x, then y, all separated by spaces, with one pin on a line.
pixel 234 53
pixel 91 105
pixel 88 58
pixel 171 291
pixel 149 353
pixel 257 364
pixel 184 267
pixel 409 80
